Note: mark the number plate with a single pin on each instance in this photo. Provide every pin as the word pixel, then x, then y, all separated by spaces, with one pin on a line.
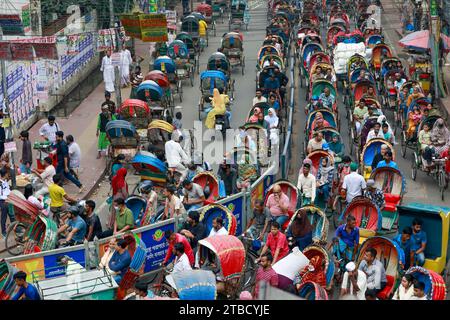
pixel 219 127
pixel 181 72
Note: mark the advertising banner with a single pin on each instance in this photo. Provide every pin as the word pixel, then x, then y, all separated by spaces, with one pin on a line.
pixel 45 51
pixel 22 51
pixel 11 24
pixel 236 207
pixel 153 27
pixel 51 267
pixel 157 246
pixel 5 51
pixel 29 266
pixel 26 18
pixel 131 24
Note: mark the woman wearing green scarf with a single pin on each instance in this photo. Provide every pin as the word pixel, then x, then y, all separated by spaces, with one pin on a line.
pixel 336 147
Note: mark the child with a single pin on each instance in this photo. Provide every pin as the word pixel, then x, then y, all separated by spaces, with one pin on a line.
pixel 177 122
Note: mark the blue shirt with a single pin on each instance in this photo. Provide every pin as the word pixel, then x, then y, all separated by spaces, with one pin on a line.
pixel 31 293
pixel 417 239
pixel 269 84
pixel 120 262
pixel 116 168
pixel 62 151
pixel 349 238
pixel 391 164
pixel 406 246
pixel 80 225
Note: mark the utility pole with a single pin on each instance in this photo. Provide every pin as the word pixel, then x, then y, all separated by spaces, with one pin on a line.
pixel 112 24
pixel 433 16
pixel 9 136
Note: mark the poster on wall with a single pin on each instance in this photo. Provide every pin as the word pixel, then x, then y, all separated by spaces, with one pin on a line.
pixel 106 39
pixel 26 18
pixel 22 51
pixel 5 51
pixel 45 51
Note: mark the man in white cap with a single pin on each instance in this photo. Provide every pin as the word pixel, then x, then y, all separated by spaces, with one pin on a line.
pixel 354 282
pixel 374 194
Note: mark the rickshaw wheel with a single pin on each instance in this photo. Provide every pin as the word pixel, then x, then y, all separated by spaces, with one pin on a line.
pixel 243 65
pixel 403 146
pixel 441 182
pixel 162 290
pixel 414 168
pixel 15 237
pixel 191 78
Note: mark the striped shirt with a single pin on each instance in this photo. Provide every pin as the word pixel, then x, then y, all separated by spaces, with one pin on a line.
pixel 268 275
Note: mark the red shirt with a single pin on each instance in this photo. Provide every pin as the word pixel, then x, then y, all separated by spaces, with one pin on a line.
pixel 268 275
pixel 278 241
pixel 187 248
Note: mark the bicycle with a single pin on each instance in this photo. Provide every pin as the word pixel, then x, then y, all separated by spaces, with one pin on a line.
pixel 162 288
pixel 251 266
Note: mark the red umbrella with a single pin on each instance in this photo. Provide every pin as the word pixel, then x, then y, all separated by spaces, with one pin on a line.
pixel 418 40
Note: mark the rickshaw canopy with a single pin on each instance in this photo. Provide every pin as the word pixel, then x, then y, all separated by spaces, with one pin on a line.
pixel 215 79
pixel 134 107
pixel 165 64
pixel 120 128
pixel 159 77
pixel 218 56
pixel 149 89
pixel 194 284
pixel 178 49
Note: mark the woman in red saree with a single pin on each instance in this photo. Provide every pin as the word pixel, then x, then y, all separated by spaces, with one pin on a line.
pixel 313 272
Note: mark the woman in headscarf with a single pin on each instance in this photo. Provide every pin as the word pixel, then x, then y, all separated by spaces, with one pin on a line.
pixel 318 123
pixel 416 94
pixel 255 116
pixel 414 118
pixel 300 231
pixel 324 178
pixel 440 136
pixel 314 272
pixel 218 103
pixel 271 119
pixel 387 132
pixel 336 147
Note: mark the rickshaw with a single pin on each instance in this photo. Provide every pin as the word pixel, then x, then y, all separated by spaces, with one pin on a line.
pixel 370 149
pixel 259 135
pixel 421 69
pixel 159 132
pixel 391 255
pixel 312 291
pixel 218 7
pixel 239 14
pixel 233 49
pixel 435 288
pixel 123 138
pixel 291 191
pixel 185 63
pixel 267 50
pixel 308 49
pixel 380 52
pixel 389 64
pixel 318 88
pixel 150 92
pixel 149 167
pixel 210 80
pixel 320 57
pixel 8 285
pixel 190 25
pixel 403 108
pixel 137 113
pixel 210 186
pixel 411 141
pixel 264 106
pixel 218 61
pixel 193 284
pixel 137 205
pixel 162 80
pixel 392 183
pixel 32 231
pixel 315 157
pixel 325 67
pixel 194 52
pixel 214 210
pixel 359 89
pixel 304 31
pixel 327 264
pixel 167 65
pixel 266 59
pixel 328 115
pixel 228 252
pixel 318 221
pixel 367 214
pixel 390 95
pixel 331 33
pixel 207 11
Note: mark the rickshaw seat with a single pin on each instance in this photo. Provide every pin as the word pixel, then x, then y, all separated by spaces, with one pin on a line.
pixel 391 202
pixel 385 293
pixel 286 224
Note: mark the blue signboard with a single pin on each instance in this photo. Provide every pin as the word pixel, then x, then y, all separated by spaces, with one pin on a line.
pixel 50 264
pixel 157 246
pixel 236 207
pixel 268 181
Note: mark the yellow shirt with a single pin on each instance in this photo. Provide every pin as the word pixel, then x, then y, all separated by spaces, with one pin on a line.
pixel 57 194
pixel 202 26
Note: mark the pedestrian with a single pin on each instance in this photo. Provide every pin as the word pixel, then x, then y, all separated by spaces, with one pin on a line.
pixel 172 238
pixel 307 185
pixel 177 122
pixel 265 273
pixel 406 288
pixel 374 270
pixel 276 242
pixel 354 282
pixel 27 291
pixel 119 185
pixel 258 227
pixel 48 130
pixel 46 176
pixel 109 103
pixel 120 260
pixel 151 197
pixel 2 133
pixel 181 262
pixel 93 224
pixel 108 72
pixel 278 205
pixel 74 156
pixel 62 154
pixel 57 197
pixel 123 219
pixel 354 183
pixel 4 193
pixel 103 118
pixel 217 228
pixel 374 194
pixel 27 156
pixel 125 62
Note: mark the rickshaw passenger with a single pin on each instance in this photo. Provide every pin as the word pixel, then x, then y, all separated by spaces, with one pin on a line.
pixel 416 94
pixel 202 29
pixel 300 231
pixel 347 239
pixel 374 194
pixel 354 183
pixel 414 118
pixel 358 116
pixel 317 74
pixel 324 178
pixel 374 270
pixel 273 102
pixel 27 291
pixel 120 261
pixel 327 98
pixel 307 184
pixel 418 243
pixel 336 148
pixel 330 76
pixel 440 137
pixel 362 76
pixel 425 144
pixel 271 84
pixel 175 154
pixel 259 97
pixel 419 291
pixel 375 132
pixel 271 63
pixel 218 103
pixel 278 204
pixel 404 241
pixel 354 282
pixel 312 272
pixel 387 132
pixel 388 162
pixel 194 196
pixel 316 143
pixel 193 229
pixel 181 262
pixel 371 93
pixel 406 288
pixel 403 97
pixel 399 81
pixel 265 273
pixel 276 242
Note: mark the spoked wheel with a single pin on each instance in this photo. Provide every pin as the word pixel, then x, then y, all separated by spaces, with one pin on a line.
pixel 214 28
pixel 15 238
pixel 441 182
pixel 414 168
pixel 162 290
pixel 404 146
pixel 248 278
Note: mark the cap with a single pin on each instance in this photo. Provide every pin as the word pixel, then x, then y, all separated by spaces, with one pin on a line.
pixel 325 146
pixel 370 183
pixel 350 266
pixel 353 166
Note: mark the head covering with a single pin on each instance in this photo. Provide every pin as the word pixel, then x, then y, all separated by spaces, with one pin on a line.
pixel 254 117
pixel 272 120
pixel 118 181
pixel 353 166
pixel 325 146
pixel 441 135
pixel 315 97
pixel 351 266
pixel 301 225
pixel 370 183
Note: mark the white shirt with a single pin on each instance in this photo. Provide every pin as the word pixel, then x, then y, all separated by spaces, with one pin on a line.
pixel 403 294
pixel 74 155
pixel 5 190
pixel 354 183
pixel 373 135
pixel 49 131
pixel 47 175
pixel 307 185
pixel 361 282
pixel 181 264
pixel 222 232
pixel 256 100
pixel 417 298
pixel 175 154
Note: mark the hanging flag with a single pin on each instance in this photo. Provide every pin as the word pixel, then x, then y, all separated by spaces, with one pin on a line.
pixel 153 27
pixel 131 24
